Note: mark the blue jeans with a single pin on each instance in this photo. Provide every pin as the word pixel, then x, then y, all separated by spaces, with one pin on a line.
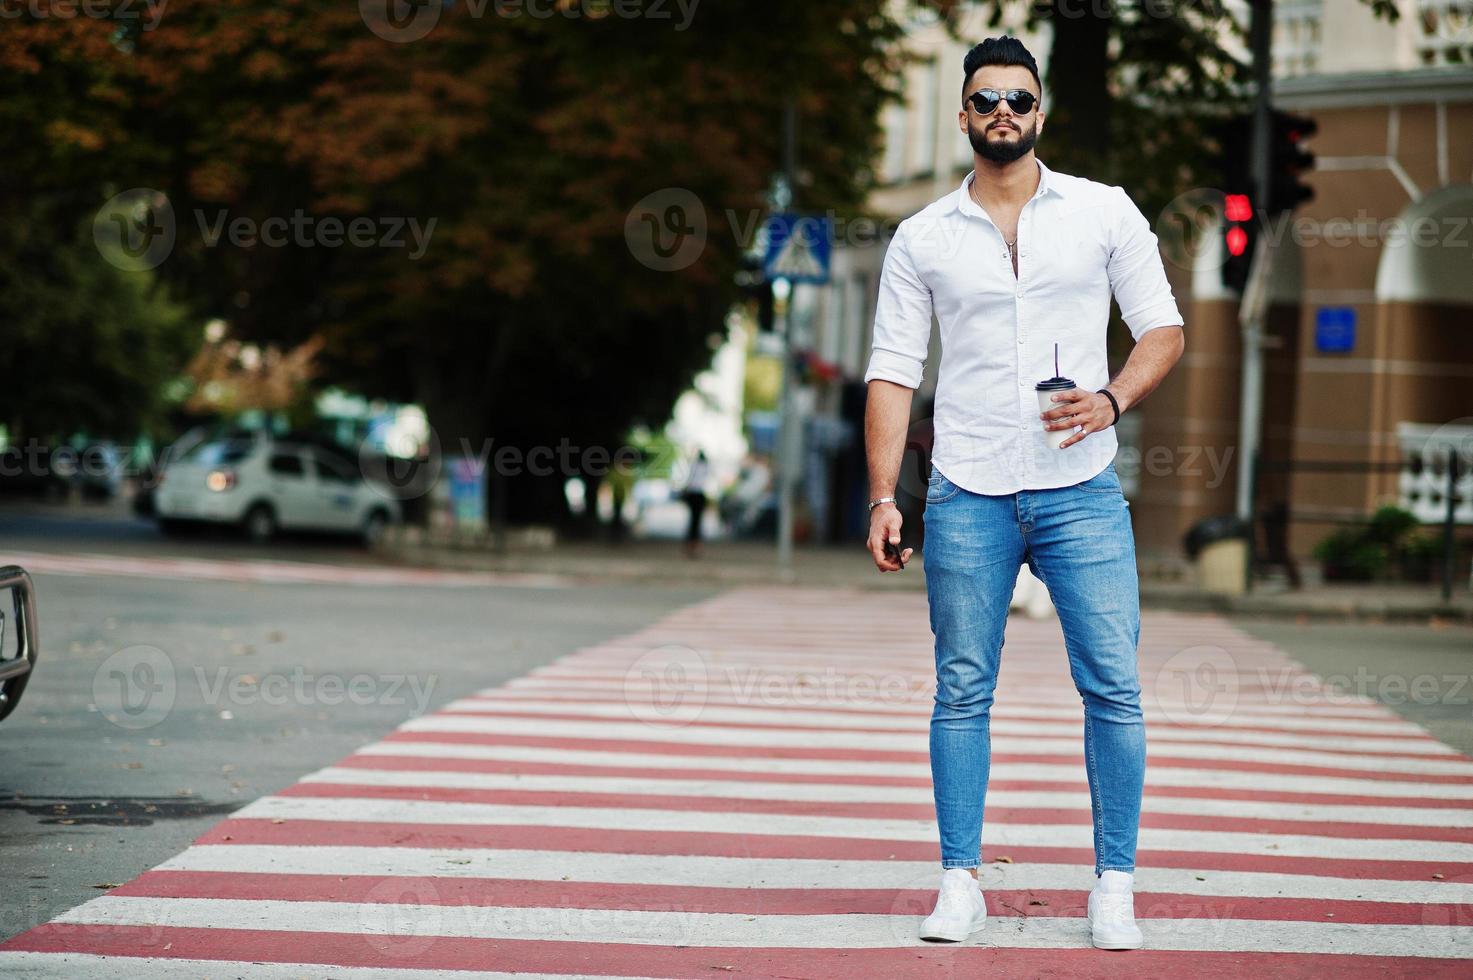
pixel 1078 541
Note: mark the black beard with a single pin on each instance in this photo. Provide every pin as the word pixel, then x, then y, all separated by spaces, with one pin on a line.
pixel 1002 151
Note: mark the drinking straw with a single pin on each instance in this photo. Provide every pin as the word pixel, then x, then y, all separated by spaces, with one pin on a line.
pixel 1056 360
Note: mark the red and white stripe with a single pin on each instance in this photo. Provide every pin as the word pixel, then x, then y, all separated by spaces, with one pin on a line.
pixel 744 787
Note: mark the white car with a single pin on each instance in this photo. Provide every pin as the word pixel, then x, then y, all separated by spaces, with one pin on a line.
pixel 265 485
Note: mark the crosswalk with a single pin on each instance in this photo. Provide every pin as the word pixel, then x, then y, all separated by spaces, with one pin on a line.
pixel 743 788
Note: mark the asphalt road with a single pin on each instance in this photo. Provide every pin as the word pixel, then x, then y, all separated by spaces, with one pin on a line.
pixel 161 706
pixel 1422 672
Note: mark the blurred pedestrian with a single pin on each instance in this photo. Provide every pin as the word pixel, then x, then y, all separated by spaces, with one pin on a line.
pixel 694 495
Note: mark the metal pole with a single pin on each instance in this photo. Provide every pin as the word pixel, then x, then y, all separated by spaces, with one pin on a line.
pixel 1254 307
pixel 1252 311
pixel 1261 33
pixel 1448 541
pixel 790 431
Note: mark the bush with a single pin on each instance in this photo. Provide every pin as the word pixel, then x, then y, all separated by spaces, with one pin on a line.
pixel 1391 546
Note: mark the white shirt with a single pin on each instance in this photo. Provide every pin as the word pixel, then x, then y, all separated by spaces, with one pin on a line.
pixel 1078 241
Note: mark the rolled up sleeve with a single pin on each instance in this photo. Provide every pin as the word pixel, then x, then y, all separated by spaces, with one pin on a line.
pixel 1137 274
pixel 902 333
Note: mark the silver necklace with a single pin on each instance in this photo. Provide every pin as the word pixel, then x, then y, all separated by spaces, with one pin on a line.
pixel 972 192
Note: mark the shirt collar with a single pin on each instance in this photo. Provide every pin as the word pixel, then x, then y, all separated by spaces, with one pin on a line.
pixel 963 198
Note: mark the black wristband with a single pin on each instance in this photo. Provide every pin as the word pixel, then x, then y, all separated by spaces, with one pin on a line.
pixel 1113 402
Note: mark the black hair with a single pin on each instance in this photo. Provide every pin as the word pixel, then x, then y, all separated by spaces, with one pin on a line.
pixel 1005 50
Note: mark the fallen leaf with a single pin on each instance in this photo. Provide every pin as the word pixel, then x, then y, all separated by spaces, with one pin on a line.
pixel 1437 875
pixel 107 884
pixel 1002 860
pixel 1038 901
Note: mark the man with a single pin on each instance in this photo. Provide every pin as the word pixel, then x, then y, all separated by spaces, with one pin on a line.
pixel 1018 260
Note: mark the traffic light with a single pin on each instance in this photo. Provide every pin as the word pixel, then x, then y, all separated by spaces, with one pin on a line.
pixel 1289 161
pixel 1239 225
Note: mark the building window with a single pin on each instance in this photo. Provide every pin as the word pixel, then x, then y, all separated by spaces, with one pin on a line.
pixel 1296 43
pixel 892 167
pixel 1445 31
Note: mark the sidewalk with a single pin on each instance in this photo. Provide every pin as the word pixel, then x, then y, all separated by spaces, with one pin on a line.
pixel 730 563
pixel 724 563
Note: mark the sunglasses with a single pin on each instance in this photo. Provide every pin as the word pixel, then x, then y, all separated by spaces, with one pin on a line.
pixel 986 100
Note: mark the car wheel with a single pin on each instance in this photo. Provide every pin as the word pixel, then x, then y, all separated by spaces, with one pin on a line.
pixel 260 523
pixel 172 527
pixel 374 526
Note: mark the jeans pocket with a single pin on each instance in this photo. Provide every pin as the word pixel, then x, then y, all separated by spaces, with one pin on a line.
pixel 1106 481
pixel 939 489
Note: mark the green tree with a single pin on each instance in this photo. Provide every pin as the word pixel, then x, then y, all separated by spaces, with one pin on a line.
pixel 528 140
pixel 84 346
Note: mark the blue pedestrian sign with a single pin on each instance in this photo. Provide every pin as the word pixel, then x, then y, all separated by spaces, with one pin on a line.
pixel 1334 329
pixel 799 247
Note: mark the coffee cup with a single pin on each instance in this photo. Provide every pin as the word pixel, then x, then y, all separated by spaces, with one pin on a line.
pixel 1046 391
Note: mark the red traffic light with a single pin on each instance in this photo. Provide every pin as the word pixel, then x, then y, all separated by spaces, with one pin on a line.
pixel 1237 241
pixel 1237 207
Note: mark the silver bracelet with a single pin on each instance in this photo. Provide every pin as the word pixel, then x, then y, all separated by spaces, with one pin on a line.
pixel 883 500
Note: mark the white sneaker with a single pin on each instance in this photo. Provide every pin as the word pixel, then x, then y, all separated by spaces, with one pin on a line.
pixel 1112 913
pixel 960 910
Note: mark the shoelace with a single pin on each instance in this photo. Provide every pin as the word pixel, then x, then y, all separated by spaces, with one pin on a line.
pixel 1116 905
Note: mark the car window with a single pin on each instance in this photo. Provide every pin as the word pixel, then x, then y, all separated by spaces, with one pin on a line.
pixel 220 453
pixel 286 464
pixel 334 468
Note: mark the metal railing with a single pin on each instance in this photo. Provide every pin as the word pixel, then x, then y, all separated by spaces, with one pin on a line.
pixel 1276 518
